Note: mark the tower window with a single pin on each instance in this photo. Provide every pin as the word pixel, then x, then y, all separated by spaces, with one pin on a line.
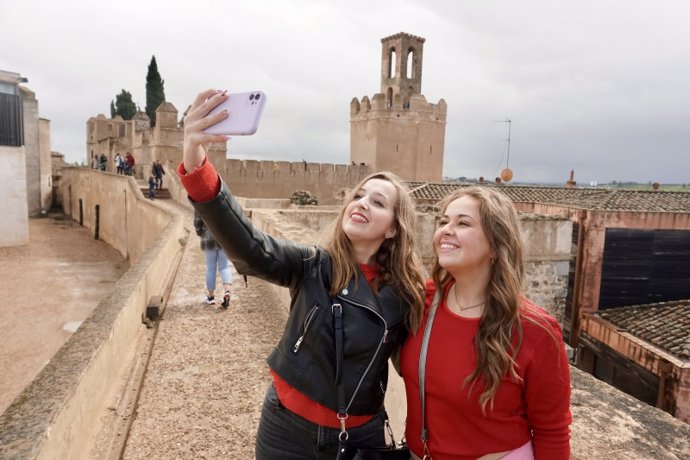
pixel 410 62
pixel 391 63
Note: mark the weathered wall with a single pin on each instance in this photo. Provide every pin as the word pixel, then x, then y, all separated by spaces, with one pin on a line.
pixel 14 220
pixel 278 179
pixel 409 142
pixel 32 151
pixel 126 220
pixel 682 377
pixel 166 143
pixel 45 165
pixel 548 243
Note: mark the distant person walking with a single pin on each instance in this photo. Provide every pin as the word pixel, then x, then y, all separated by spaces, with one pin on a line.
pixel 215 258
pixel 94 161
pixel 119 163
pixel 129 164
pixel 152 188
pixel 158 173
pixel 103 162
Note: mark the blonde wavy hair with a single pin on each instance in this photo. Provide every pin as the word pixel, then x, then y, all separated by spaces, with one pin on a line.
pixel 504 293
pixel 397 257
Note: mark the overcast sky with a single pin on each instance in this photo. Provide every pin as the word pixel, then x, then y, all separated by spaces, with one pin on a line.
pixel 598 86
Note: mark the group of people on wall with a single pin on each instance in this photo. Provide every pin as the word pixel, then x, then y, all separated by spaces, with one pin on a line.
pixel 125 165
pixel 485 369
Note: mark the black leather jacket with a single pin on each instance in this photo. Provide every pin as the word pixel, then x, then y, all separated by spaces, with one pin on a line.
pixel 305 356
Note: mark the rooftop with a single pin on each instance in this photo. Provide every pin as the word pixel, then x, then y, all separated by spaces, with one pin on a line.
pixel 665 325
pixel 588 198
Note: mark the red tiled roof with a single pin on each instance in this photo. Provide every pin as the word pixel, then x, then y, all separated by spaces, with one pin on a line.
pixel 665 325
pixel 578 198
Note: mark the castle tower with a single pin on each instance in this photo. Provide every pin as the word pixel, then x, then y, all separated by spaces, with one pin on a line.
pixel 398 130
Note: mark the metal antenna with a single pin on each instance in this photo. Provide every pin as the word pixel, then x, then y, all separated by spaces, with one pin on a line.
pixel 509 121
pixel 506 174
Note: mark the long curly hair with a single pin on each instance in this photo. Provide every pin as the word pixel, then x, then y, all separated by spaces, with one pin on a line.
pixel 397 257
pixel 504 293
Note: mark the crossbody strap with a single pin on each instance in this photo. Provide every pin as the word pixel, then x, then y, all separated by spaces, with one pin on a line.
pixel 422 372
pixel 337 311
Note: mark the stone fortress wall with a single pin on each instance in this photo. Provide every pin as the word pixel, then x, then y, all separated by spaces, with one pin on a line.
pixel 251 178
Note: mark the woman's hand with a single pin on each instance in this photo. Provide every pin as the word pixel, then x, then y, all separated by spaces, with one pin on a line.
pixel 196 141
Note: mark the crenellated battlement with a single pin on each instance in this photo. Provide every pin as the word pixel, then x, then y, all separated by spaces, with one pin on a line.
pixel 403 35
pixel 418 105
pixel 278 179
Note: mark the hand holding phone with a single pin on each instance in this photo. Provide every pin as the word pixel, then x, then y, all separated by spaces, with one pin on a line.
pixel 244 114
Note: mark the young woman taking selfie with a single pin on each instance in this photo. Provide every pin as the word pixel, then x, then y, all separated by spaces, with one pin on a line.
pixel 352 302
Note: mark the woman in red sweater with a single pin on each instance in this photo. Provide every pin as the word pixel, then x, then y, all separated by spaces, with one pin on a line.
pixel 497 378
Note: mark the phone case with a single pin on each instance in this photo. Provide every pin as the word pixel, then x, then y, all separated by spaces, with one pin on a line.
pixel 244 111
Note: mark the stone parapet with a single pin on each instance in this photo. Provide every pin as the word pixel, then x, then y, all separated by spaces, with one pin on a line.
pixel 58 414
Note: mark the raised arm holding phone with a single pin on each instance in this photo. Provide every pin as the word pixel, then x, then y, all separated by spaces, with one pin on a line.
pixel 353 301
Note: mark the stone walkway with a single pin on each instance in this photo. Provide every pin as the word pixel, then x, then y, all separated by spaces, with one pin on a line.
pixel 203 390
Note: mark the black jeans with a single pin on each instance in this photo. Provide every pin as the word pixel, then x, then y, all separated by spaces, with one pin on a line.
pixel 285 435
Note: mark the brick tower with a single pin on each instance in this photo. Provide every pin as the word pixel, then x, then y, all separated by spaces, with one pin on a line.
pixel 398 130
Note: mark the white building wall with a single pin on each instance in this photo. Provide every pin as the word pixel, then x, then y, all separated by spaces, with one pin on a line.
pixel 14 220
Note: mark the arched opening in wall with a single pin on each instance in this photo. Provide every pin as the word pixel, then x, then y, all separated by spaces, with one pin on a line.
pixel 391 63
pixel 98 222
pixel 81 212
pixel 389 98
pixel 410 62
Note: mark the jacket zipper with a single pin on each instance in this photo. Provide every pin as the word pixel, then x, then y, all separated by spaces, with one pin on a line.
pixel 307 321
pixel 378 348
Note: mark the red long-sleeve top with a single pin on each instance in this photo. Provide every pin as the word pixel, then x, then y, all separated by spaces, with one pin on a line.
pixel 540 404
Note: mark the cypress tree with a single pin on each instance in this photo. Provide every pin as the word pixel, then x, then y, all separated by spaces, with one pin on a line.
pixel 155 93
pixel 124 105
pixel 113 112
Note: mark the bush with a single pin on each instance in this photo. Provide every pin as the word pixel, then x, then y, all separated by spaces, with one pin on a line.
pixel 303 197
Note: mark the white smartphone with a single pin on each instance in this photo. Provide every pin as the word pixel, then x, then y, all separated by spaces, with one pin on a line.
pixel 244 114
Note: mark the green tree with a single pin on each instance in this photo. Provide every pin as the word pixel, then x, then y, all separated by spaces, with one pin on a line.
pixel 155 93
pixel 124 106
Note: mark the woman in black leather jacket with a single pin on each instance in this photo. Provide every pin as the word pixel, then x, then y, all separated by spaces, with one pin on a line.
pixel 355 298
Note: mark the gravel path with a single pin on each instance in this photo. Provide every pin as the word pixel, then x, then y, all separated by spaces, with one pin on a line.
pixel 207 376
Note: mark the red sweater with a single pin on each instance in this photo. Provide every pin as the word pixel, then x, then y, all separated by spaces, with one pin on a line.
pixel 457 428
pixel 203 184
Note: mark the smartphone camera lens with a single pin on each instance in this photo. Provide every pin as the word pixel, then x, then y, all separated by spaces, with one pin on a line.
pixel 251 97
pixel 258 96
